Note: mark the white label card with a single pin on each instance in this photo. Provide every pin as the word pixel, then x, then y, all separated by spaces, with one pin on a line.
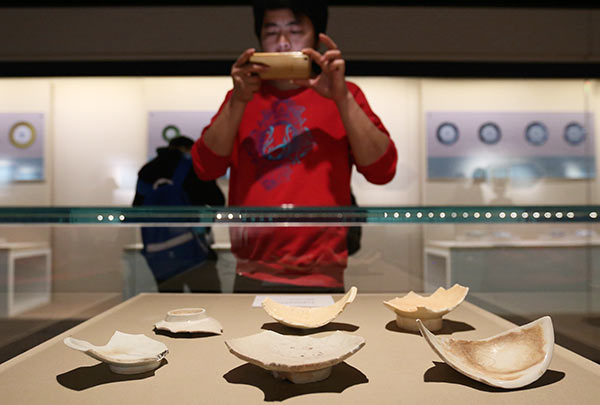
pixel 296 300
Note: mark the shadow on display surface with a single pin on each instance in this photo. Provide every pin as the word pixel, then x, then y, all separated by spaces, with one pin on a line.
pixel 443 373
pixel 184 335
pixel 330 327
pixel 82 378
pixel 343 376
pixel 448 328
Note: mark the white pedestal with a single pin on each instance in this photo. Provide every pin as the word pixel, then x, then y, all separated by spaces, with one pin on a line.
pixel 25 277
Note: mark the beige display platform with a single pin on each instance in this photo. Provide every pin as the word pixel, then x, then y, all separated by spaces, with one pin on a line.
pixel 394 367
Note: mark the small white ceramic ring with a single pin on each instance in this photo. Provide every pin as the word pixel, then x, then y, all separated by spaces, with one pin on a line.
pixel 186 315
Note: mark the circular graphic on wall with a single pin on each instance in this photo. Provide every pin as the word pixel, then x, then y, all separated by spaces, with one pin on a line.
pixel 574 133
pixel 536 133
pixel 490 133
pixel 169 132
pixel 447 133
pixel 22 135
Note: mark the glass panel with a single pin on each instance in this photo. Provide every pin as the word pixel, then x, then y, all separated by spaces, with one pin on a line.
pixel 519 270
pixel 523 240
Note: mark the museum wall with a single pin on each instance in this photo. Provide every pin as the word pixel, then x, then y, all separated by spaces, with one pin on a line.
pixel 28 96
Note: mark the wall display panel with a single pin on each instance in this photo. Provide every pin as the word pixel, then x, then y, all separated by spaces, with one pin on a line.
pixel 166 125
pixel 521 146
pixel 21 147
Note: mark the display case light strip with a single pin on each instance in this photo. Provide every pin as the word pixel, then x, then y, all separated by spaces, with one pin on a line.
pixel 430 215
pixel 110 215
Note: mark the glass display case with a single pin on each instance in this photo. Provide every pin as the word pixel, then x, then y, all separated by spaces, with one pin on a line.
pixel 520 262
pixel 99 271
pixel 496 189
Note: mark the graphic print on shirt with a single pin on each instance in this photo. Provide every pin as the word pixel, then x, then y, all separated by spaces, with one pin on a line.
pixel 280 141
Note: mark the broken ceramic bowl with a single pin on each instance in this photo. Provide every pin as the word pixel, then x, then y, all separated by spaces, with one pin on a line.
pixel 300 359
pixel 124 353
pixel 307 318
pixel 429 310
pixel 189 320
pixel 511 359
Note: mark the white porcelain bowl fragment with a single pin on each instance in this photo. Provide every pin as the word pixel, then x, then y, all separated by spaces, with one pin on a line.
pixel 124 353
pixel 300 359
pixel 307 318
pixel 189 320
pixel 511 359
pixel 429 310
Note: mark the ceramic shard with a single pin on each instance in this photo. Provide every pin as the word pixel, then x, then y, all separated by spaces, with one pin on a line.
pixel 511 359
pixel 307 318
pixel 124 353
pixel 300 359
pixel 189 320
pixel 429 309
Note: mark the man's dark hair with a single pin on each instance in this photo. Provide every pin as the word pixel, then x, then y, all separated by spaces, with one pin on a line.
pixel 181 141
pixel 316 11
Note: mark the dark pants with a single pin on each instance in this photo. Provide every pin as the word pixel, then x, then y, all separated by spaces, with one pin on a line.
pixel 201 278
pixel 249 285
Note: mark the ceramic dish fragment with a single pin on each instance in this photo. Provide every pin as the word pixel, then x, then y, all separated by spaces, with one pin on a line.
pixel 124 353
pixel 511 359
pixel 307 318
pixel 189 320
pixel 300 359
pixel 429 310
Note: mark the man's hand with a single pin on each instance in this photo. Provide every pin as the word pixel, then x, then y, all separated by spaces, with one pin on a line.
pixel 331 82
pixel 220 136
pixel 367 142
pixel 245 77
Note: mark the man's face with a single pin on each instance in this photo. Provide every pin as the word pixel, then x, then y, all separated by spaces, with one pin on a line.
pixel 283 32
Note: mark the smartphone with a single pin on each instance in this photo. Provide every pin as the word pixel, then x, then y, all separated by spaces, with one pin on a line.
pixel 283 65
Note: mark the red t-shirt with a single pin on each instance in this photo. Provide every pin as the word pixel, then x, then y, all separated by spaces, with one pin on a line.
pixel 292 148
